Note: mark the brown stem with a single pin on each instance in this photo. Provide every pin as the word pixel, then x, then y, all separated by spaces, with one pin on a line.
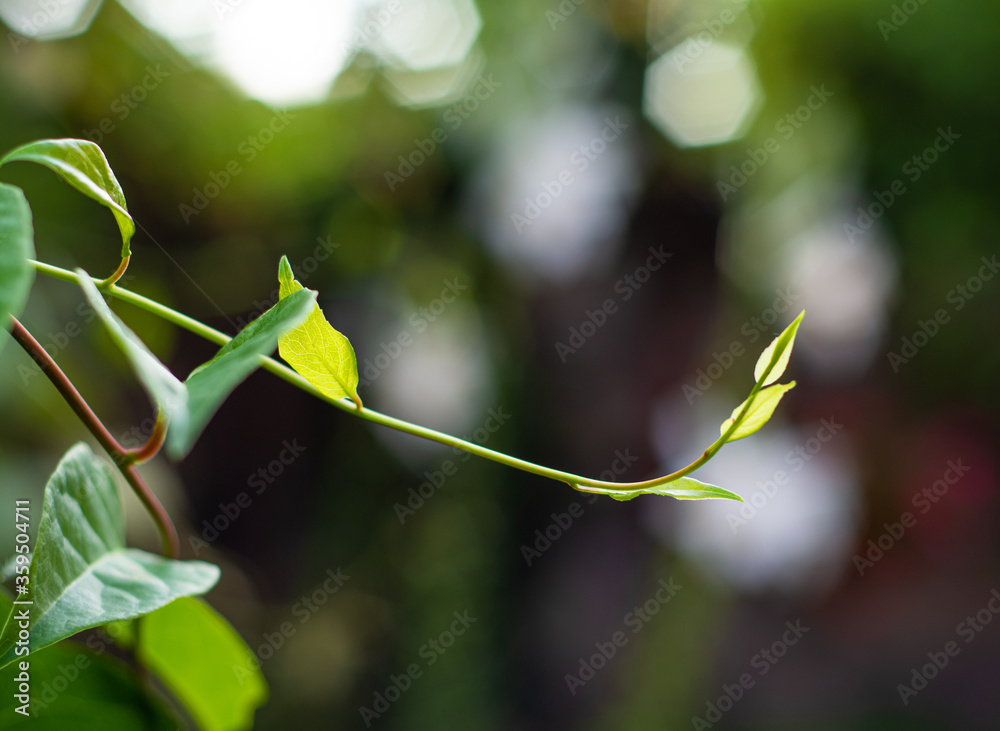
pixel 120 456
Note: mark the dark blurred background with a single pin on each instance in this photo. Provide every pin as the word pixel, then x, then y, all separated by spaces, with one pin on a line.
pixel 565 231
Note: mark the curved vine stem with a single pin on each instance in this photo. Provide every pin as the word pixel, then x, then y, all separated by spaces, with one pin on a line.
pixel 148 450
pixel 577 482
pixel 118 273
pixel 123 458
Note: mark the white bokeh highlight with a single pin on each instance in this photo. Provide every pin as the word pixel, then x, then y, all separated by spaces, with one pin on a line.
pixel 542 227
pixel 708 99
pixel 48 20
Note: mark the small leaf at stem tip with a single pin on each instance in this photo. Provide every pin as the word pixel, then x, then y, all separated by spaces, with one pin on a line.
pixel 774 360
pixel 318 352
pixel 764 404
pixel 82 164
pixel 683 488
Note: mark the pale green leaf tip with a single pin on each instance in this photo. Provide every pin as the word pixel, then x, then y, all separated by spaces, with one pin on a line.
pixel 285 270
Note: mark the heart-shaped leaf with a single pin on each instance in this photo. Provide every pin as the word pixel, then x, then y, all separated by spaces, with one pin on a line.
pixel 763 406
pixel 321 354
pixel 774 360
pixel 83 165
pixel 210 383
pixel 17 245
pixel 194 651
pixel 683 488
pixel 81 575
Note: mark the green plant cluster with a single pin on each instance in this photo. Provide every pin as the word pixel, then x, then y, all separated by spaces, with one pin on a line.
pixel 80 574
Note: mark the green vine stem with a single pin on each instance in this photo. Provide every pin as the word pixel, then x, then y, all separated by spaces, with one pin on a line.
pixel 577 482
pixel 118 273
pixel 123 459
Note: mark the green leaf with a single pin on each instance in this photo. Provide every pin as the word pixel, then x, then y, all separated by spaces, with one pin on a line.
pixel 196 654
pixel 169 394
pixel 82 164
pixel 17 245
pixel 774 360
pixel 683 488
pixel 81 575
pixel 189 405
pixel 75 687
pixel 210 383
pixel 764 404
pixel 323 356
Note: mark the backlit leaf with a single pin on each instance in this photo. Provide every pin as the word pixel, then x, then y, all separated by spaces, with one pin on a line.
pixel 319 353
pixel 764 404
pixel 774 360
pixel 203 661
pixel 683 488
